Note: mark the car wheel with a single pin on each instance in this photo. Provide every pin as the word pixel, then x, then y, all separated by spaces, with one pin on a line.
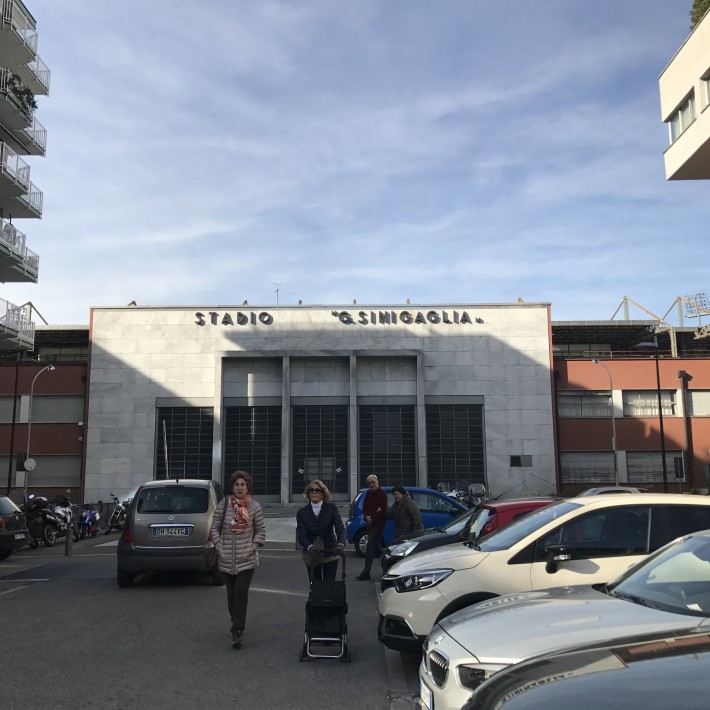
pixel 360 542
pixel 49 535
pixel 124 579
pixel 5 555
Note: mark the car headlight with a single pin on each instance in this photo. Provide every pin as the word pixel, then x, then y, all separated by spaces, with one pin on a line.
pixel 421 580
pixel 403 549
pixel 471 677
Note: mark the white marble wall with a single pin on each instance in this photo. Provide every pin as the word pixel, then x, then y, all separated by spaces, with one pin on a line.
pixel 141 354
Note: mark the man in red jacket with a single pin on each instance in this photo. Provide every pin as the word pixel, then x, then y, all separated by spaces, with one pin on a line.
pixel 374 508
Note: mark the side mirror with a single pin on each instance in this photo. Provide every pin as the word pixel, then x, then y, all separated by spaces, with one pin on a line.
pixel 556 554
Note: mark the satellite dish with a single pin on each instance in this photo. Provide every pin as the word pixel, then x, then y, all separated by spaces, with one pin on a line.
pixel 30 465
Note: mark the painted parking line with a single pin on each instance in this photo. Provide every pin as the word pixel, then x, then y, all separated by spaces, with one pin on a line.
pixel 304 595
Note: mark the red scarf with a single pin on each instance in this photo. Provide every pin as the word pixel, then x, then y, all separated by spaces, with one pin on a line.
pixel 241 514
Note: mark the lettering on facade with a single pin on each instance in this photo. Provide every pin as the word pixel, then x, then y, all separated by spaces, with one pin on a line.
pixel 406 317
pixel 241 318
pixel 214 318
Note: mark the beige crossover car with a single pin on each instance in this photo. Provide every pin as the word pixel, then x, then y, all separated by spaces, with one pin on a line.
pixel 168 528
pixel 587 540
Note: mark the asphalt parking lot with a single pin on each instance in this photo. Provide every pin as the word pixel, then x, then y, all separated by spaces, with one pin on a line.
pixel 79 640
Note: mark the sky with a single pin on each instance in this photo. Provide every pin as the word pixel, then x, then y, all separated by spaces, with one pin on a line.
pixel 207 152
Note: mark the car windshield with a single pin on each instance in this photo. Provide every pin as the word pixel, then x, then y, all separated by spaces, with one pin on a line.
pixel 173 499
pixel 7 507
pixel 675 579
pixel 504 538
pixel 459 523
pixel 483 515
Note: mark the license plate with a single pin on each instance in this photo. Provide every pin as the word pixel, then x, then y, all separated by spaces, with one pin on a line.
pixel 171 532
pixel 19 536
pixel 425 695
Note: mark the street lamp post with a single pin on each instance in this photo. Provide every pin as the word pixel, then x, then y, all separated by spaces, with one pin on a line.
pixel 10 461
pixel 654 346
pixel 29 425
pixel 596 361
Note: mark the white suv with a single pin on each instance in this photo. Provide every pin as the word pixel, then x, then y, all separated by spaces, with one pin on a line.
pixel 588 540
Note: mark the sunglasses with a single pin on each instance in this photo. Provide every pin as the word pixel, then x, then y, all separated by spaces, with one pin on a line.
pixel 315 490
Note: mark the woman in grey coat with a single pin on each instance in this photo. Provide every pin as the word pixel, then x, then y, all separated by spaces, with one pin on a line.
pixel 237 540
pixel 404 512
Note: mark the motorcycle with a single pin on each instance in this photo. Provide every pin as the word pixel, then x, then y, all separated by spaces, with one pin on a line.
pixel 48 522
pixel 65 517
pixel 89 522
pixel 118 515
pixel 37 513
pixel 471 495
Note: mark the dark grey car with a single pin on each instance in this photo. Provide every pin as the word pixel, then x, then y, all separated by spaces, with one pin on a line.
pixel 168 528
pixel 13 530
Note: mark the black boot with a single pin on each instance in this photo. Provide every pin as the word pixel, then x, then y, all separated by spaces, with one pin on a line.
pixel 236 639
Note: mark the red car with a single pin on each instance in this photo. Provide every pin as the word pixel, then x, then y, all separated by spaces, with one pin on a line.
pixel 475 523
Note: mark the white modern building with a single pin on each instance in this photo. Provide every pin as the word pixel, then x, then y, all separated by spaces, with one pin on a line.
pixel 23 76
pixel 685 107
pixel 416 394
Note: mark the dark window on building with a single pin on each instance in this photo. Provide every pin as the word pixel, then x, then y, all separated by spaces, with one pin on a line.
pixel 521 460
pixel 388 444
pixel 320 446
pixel 455 449
pixel 252 443
pixel 188 433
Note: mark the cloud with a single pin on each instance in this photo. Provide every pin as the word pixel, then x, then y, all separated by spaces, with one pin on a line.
pixel 199 152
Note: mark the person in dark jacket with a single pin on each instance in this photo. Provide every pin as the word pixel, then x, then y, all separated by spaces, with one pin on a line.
pixel 405 513
pixel 374 510
pixel 320 532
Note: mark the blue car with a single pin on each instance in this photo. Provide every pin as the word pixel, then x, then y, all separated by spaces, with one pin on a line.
pixel 436 508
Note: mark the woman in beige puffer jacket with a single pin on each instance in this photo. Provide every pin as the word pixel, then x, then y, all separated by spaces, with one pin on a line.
pixel 237 540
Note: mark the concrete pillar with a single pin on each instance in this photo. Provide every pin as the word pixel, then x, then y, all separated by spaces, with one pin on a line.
pixel 423 471
pixel 286 430
pixel 352 431
pixel 217 447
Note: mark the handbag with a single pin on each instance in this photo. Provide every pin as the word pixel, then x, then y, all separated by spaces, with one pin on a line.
pixel 315 558
pixel 211 556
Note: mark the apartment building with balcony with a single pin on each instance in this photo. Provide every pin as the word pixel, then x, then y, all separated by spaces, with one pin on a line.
pixel 685 107
pixel 23 77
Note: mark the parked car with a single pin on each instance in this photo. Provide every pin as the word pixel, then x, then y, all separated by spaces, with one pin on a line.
pixel 474 523
pixel 13 529
pixel 601 490
pixel 666 593
pixel 437 509
pixel 588 540
pixel 629 673
pixel 167 528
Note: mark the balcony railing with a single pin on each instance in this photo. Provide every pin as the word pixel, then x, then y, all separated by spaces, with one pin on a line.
pixel 14 90
pixel 34 198
pixel 38 133
pixel 13 318
pixel 12 165
pixel 41 72
pixel 12 237
pixel 15 241
pixel 14 15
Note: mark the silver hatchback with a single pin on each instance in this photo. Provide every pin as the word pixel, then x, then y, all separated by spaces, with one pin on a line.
pixel 168 528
